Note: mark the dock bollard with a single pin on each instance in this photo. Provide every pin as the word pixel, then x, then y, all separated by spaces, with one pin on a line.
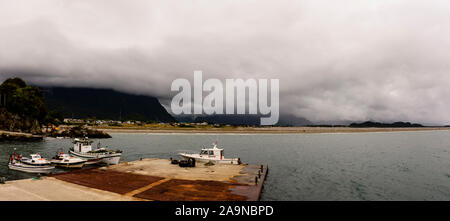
pixel 256 180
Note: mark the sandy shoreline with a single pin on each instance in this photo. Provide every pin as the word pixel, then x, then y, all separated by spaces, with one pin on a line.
pixel 271 130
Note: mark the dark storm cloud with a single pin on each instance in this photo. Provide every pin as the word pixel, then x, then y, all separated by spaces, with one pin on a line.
pixel 336 61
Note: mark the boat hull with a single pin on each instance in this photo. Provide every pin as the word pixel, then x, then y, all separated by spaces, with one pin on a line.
pixel 111 159
pixel 90 159
pixel 216 161
pixel 30 169
pixel 69 165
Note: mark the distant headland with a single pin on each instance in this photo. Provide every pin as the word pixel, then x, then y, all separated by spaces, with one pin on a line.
pixel 399 124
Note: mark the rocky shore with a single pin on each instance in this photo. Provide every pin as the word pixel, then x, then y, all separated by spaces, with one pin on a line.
pixel 79 131
pixel 14 122
pixel 16 136
pixel 27 137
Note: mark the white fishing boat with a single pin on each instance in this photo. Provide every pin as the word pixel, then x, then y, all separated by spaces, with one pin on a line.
pixel 65 160
pixel 213 154
pixel 34 164
pixel 82 148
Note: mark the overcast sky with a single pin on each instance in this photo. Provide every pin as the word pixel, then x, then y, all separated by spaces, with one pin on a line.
pixel 337 61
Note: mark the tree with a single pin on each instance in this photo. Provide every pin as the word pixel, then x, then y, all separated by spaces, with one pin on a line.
pixel 26 101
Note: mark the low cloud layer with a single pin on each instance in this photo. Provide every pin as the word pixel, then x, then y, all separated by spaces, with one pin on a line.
pixel 337 61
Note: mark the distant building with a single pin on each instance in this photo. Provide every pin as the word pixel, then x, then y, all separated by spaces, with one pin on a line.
pixel 71 120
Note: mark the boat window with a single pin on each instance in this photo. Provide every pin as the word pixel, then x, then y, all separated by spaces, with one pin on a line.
pixel 204 152
pixel 211 152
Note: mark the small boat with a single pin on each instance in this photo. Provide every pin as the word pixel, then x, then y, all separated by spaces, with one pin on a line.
pixel 34 164
pixel 82 148
pixel 65 160
pixel 213 154
pixel 187 163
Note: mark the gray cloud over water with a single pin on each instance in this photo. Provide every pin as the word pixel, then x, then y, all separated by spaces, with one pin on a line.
pixel 336 60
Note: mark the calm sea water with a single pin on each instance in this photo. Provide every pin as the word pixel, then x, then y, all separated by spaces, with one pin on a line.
pixel 347 166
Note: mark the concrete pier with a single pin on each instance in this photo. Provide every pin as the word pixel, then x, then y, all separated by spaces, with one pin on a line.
pixel 147 179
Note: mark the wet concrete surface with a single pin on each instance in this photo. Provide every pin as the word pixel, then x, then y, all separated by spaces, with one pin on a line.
pixel 192 190
pixel 147 179
pixel 109 180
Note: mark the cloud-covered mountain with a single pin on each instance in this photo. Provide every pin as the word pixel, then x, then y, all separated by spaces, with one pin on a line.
pixel 104 104
pixel 336 61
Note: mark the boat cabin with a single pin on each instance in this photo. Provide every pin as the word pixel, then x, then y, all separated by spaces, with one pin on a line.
pixel 35 157
pixel 82 145
pixel 35 160
pixel 212 152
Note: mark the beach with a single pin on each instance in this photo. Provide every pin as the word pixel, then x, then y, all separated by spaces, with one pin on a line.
pixel 262 130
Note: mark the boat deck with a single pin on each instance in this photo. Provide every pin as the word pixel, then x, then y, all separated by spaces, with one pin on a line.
pixel 147 179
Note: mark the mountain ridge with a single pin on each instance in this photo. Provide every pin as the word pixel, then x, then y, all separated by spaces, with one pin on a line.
pixel 80 102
